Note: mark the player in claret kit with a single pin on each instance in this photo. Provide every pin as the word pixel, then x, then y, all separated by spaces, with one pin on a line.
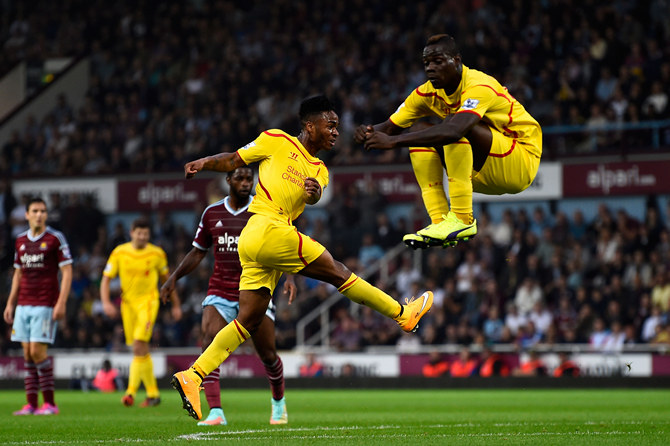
pixel 35 303
pixel 290 176
pixel 220 226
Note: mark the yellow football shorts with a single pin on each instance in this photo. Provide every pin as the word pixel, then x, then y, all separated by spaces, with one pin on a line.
pixel 138 319
pixel 269 247
pixel 509 169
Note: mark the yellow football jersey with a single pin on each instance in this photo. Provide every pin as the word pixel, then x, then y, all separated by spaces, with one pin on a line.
pixel 284 165
pixel 138 270
pixel 477 93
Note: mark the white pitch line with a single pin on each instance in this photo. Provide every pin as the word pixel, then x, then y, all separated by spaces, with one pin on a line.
pixel 257 434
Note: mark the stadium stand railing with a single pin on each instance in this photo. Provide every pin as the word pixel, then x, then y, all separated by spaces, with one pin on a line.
pixel 623 139
pixel 322 312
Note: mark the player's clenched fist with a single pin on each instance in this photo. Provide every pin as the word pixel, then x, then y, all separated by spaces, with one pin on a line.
pixel 193 167
pixel 312 190
pixel 361 133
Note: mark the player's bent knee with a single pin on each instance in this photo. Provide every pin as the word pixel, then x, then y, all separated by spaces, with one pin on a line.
pixel 268 357
pixel 251 320
pixel 206 340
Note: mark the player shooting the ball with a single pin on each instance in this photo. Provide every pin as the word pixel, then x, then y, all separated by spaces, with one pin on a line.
pixel 290 176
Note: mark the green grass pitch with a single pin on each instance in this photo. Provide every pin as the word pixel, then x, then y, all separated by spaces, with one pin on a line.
pixel 357 417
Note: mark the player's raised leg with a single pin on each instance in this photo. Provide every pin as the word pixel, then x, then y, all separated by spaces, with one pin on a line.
pixel 329 270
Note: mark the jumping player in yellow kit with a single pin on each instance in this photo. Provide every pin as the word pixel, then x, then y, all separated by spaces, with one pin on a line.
pixel 290 176
pixel 487 142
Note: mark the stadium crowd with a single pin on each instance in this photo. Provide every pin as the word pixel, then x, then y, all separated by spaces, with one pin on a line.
pixel 173 81
pixel 524 280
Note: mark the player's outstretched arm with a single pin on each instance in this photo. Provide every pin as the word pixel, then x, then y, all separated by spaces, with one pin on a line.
pixel 188 264
pixel 450 130
pixel 363 130
pixel 222 162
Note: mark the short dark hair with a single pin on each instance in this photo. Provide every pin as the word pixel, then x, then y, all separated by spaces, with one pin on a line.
pixel 446 41
pixel 141 223
pixel 34 200
pixel 232 172
pixel 312 106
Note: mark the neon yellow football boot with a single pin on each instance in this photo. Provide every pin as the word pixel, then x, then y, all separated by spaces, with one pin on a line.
pixel 449 231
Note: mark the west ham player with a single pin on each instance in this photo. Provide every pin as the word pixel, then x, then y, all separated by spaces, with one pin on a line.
pixel 35 303
pixel 220 226
pixel 290 177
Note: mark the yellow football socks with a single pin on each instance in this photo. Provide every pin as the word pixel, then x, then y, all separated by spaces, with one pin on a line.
pixel 361 292
pixel 458 158
pixel 224 343
pixel 134 375
pixel 146 373
pixel 429 175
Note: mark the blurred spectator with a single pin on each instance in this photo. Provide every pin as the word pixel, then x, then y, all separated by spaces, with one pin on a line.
pixel 493 325
pixel 17 217
pixel 599 334
pixel 107 379
pixel 312 368
pixel 528 337
pixel 660 292
pixel 468 273
pixel 654 320
pixel 662 335
pixel 566 367
pixel 465 365
pixel 347 335
pixel 347 370
pixel 655 106
pixel 492 364
pixel 615 339
pixel 436 365
pixel 407 275
pixel 514 320
pixel 369 251
pixel 533 366
pixel 528 294
pixel 541 317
